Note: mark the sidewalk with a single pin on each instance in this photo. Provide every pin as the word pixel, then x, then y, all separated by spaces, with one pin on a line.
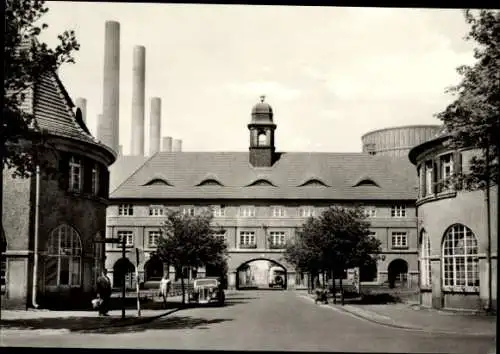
pixel 82 320
pixel 413 317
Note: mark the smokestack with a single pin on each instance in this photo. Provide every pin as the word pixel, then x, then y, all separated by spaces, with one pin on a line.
pixel 138 87
pixel 154 125
pixel 177 145
pixel 99 126
pixel 167 144
pixel 82 104
pixel 109 129
pixel 120 150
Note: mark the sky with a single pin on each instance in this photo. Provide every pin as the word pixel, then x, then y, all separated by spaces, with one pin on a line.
pixel 331 74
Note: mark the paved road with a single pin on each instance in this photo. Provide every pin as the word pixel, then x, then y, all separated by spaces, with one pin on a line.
pixel 257 320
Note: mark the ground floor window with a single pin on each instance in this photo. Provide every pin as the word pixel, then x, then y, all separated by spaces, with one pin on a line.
pixel 425 261
pixel 63 257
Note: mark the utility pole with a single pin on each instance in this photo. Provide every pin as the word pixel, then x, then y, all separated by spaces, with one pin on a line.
pixel 123 241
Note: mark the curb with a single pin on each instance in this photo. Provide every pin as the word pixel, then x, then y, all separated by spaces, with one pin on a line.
pixel 398 326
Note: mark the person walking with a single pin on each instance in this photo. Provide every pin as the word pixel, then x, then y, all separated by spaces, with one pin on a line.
pixel 104 292
pixel 164 288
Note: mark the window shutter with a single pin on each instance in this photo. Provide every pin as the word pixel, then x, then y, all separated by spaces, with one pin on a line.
pixel 64 170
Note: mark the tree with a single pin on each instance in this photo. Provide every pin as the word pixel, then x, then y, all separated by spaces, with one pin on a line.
pixel 190 242
pixel 26 59
pixel 333 242
pixel 473 118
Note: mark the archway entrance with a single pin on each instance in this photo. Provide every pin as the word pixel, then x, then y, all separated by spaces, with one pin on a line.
pixel 261 274
pixel 398 273
pixel 121 267
pixel 153 269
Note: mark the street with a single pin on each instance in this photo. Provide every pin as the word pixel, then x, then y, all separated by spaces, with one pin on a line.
pixel 257 320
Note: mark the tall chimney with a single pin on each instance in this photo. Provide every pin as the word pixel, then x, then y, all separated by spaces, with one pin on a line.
pixel 120 150
pixel 109 130
pixel 99 126
pixel 167 144
pixel 138 87
pixel 82 104
pixel 177 145
pixel 154 125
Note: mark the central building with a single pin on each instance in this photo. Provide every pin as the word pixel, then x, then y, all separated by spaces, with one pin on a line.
pixel 261 198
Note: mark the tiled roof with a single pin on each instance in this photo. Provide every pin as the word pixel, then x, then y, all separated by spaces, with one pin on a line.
pixel 396 177
pixel 123 167
pixel 52 108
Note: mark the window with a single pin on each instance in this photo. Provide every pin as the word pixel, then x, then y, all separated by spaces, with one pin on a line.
pixel 98 259
pixel 372 234
pixel 277 239
pixel 153 238
pixel 156 210
pixel 278 211
pixel 398 211
pixel 460 265
pixel 125 210
pixel 75 174
pixel 221 234
pixel 247 211
pixel 425 262
pixel 95 179
pixel 218 211
pixel 262 139
pixel 399 240
pixel 247 238
pixel 306 211
pixel 63 257
pixel 370 211
pixel 129 238
pixel 3 272
pixel 446 172
pixel 188 211
pixel 428 178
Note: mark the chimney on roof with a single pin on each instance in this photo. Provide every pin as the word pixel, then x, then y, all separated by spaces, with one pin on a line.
pixel 138 87
pixel 82 104
pixel 177 145
pixel 167 144
pixel 109 129
pixel 154 125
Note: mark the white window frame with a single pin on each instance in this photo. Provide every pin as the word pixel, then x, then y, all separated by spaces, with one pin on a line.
pixel 429 180
pixel 425 260
pixel 278 211
pixel 446 172
pixel 399 239
pixel 190 211
pixel 95 179
pixel 247 211
pixel 126 210
pixel 128 234
pixel 153 238
pixel 247 238
pixel 75 174
pixel 156 210
pixel 370 211
pixel 306 211
pixel 220 234
pixel 218 211
pixel 277 238
pixel 460 247
pixel 398 211
pixel 65 243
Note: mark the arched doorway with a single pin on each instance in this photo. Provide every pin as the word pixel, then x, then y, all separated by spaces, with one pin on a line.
pixel 123 267
pixel 261 274
pixel 398 273
pixel 153 269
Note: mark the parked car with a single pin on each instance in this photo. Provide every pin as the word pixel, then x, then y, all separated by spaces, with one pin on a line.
pixel 207 291
pixel 277 277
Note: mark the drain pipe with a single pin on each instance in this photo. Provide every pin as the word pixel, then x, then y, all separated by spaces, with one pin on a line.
pixel 35 251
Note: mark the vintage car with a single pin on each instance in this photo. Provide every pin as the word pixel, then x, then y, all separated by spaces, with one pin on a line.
pixel 277 277
pixel 207 291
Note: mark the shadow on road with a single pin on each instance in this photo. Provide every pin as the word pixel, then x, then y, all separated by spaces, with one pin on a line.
pixel 107 325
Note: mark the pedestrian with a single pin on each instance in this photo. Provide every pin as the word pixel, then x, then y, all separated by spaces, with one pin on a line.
pixel 104 293
pixel 164 288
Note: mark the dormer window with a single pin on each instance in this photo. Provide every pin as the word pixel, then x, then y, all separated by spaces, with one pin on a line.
pixel 75 174
pixel 158 182
pixel 313 182
pixel 261 183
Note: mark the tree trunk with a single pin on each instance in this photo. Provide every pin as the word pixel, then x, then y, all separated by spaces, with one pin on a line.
pixel 323 275
pixel 334 288
pixel 183 288
pixel 341 292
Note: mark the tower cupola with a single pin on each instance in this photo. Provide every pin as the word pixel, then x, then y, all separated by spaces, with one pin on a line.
pixel 262 127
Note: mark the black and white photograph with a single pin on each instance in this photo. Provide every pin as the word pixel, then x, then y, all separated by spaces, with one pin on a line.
pixel 181 176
